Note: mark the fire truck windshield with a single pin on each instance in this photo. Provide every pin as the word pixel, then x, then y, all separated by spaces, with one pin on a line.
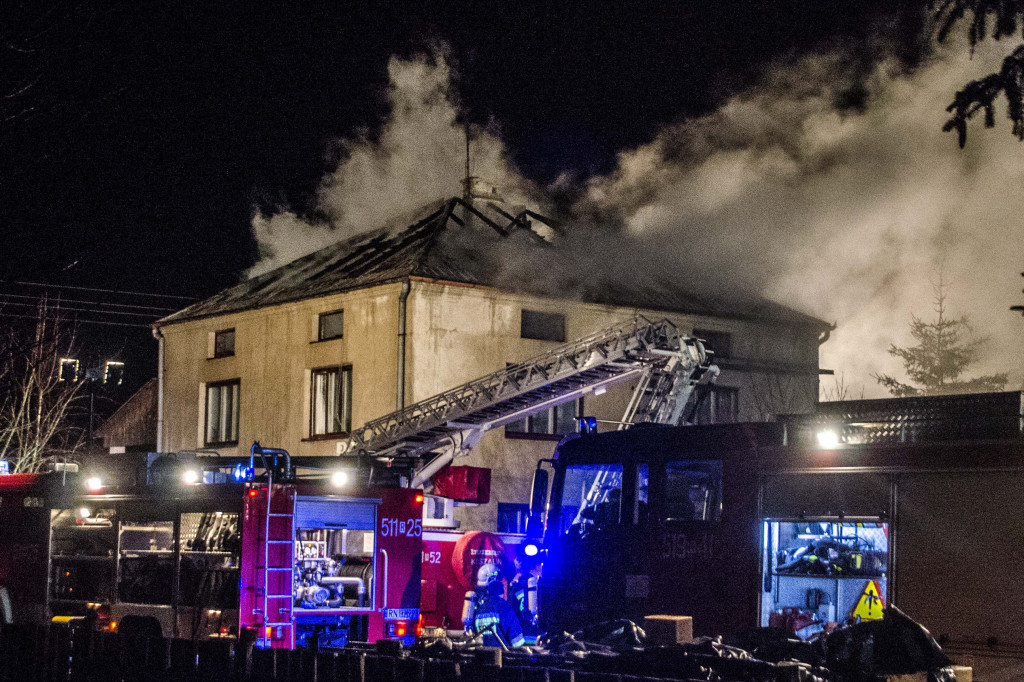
pixel 693 491
pixel 591 497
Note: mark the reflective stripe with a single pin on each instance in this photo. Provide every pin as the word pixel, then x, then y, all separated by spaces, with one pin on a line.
pixel 485 621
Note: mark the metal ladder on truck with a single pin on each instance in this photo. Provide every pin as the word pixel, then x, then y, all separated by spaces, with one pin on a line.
pixel 667 363
pixel 278 535
pixel 659 398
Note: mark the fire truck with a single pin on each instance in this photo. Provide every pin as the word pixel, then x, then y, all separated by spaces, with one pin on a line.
pixel 671 371
pixel 200 548
pixel 801 524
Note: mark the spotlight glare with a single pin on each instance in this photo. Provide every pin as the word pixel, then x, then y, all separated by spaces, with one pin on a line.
pixel 828 438
pixel 84 512
pixel 93 483
pixel 339 478
pixel 190 477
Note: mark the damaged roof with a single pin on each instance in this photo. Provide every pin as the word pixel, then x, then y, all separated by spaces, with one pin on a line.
pixel 427 249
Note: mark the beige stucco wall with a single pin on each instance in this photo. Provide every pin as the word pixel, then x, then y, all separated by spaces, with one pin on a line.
pixel 455 334
pixel 275 348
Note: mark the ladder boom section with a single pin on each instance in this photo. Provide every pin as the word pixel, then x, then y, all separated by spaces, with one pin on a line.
pixel 455 419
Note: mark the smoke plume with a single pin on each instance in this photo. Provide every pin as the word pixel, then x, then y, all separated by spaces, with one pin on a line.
pixel 845 207
pixel 417 158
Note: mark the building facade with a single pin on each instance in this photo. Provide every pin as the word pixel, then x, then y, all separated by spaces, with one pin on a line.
pixel 292 361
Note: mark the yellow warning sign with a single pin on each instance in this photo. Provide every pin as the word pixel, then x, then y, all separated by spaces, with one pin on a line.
pixel 870 604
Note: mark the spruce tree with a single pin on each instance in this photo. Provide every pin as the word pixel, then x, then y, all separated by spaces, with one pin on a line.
pixel 945 349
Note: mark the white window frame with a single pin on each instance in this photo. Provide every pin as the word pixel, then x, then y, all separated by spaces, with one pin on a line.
pixel 320 422
pixel 227 420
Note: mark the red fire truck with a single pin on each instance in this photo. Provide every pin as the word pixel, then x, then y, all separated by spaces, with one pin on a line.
pixel 196 552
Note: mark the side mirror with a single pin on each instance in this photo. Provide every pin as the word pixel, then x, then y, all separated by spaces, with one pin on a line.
pixel 539 492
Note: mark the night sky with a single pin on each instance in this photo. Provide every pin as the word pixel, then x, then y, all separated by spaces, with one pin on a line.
pixel 140 139
pixel 155 128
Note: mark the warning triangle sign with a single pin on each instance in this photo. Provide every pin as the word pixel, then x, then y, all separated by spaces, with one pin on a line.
pixel 870 604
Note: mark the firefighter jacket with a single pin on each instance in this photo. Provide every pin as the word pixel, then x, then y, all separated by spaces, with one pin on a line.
pixel 495 619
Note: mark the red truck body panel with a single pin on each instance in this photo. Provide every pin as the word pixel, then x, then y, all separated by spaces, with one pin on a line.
pixel 448 570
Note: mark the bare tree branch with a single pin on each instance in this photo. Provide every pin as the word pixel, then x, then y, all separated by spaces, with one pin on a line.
pixel 35 402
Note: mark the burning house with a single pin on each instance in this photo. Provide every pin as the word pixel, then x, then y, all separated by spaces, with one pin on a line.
pixel 300 355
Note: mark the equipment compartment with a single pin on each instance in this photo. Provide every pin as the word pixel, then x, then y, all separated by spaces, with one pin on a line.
pixel 82 546
pixel 145 572
pixel 210 557
pixel 819 573
pixel 334 550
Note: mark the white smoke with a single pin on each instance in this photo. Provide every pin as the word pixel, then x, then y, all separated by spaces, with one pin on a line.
pixel 416 158
pixel 845 214
pixel 850 216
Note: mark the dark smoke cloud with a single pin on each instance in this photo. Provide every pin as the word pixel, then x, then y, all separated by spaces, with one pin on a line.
pixel 845 212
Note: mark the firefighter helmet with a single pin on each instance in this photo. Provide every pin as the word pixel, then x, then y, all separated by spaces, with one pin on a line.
pixel 488 573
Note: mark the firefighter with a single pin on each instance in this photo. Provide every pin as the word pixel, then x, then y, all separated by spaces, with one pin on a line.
pixel 488 614
pixel 523 592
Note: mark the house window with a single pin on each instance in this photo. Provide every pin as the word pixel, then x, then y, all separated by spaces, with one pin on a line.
pixel 113 373
pixel 330 325
pixel 330 401
pixel 721 406
pixel 68 369
pixel 542 326
pixel 224 343
pixel 222 413
pixel 551 424
pixel 720 343
pixel 512 517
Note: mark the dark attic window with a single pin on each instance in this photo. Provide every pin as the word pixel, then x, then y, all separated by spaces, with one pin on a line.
pixel 224 343
pixel 542 326
pixel 719 342
pixel 331 325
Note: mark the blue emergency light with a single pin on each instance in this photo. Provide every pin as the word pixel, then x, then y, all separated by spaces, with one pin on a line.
pixel 587 424
pixel 5 467
pixel 241 473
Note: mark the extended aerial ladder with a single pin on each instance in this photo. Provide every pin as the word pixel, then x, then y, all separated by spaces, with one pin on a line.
pixel 667 364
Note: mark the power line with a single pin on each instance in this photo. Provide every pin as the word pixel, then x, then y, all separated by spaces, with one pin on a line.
pixel 78 321
pixel 106 291
pixel 57 302
pixel 72 309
